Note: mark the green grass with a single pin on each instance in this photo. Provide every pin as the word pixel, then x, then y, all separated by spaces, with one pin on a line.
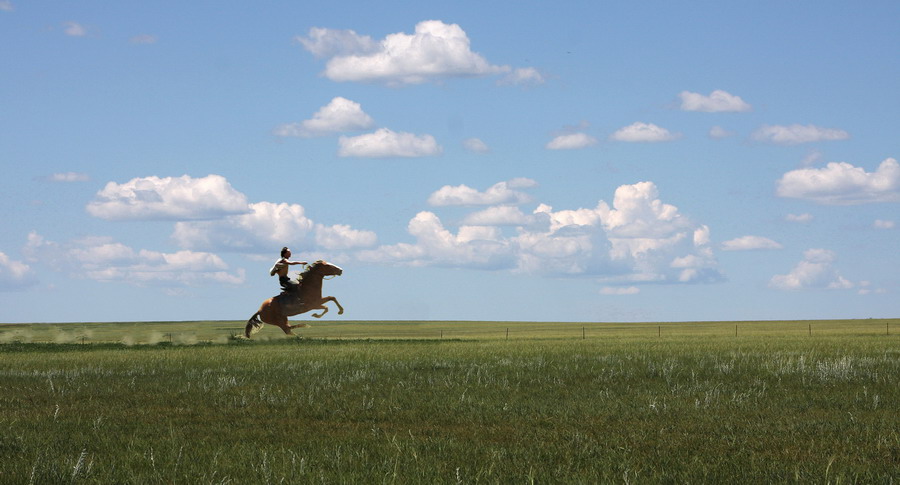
pixel 393 402
pixel 189 333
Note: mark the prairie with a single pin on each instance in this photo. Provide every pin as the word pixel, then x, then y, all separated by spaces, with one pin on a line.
pixel 451 402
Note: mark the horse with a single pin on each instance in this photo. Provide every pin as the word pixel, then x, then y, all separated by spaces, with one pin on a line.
pixel 308 296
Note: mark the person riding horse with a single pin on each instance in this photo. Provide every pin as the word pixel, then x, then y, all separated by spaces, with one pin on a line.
pixel 307 297
pixel 281 269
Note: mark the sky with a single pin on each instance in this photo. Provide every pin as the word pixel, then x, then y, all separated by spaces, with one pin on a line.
pixel 470 160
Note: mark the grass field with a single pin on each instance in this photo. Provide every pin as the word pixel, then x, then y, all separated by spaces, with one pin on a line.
pixel 189 333
pixel 452 402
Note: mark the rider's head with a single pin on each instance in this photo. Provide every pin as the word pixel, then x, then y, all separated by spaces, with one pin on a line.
pixel 285 252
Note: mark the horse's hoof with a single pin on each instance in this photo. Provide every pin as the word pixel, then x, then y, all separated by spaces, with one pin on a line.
pixel 340 312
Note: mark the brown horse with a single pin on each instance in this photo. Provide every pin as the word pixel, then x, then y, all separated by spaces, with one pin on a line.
pixel 308 296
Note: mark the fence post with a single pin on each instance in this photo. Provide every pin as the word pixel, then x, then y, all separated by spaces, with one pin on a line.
pixel 582 333
pixel 507 333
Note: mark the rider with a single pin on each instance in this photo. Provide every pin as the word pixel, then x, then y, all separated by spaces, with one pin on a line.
pixel 281 268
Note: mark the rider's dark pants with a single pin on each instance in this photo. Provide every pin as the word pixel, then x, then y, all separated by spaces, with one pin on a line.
pixel 286 283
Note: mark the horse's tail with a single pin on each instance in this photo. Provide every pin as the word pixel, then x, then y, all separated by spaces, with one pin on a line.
pixel 253 325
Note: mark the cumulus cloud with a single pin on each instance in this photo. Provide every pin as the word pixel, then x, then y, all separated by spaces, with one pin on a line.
pixel 843 183
pixel 638 239
pixel 15 275
pixel 883 224
pixel 643 132
pixel 499 193
pixel 435 51
pixel 339 115
pixel 717 101
pixel 472 246
pixel 168 198
pixel 747 243
pixel 504 215
pixel 342 236
pixel 571 141
pixel 815 271
pixel 475 145
pixel 385 143
pixel 103 259
pixel 331 42
pixel 654 240
pixel 797 134
pixel 267 224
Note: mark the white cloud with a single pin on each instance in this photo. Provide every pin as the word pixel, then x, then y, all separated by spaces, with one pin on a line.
pixel 103 259
pixel 526 75
pixel 815 271
pixel 266 225
pixel 68 177
pixel 796 134
pixel 330 42
pixel 6 6
pixel 169 198
pixel 865 288
pixel 718 133
pixel 883 224
pixel 747 243
pixel 499 193
pixel 475 145
pixel 811 158
pixel 385 143
pixel 504 215
pixel 571 141
pixel 843 183
pixel 143 39
pixel 15 275
pixel 434 52
pixel 74 29
pixel 638 239
pixel 471 246
pixel 799 218
pixel 342 236
pixel 269 225
pixel 717 101
pixel 643 132
pixel 339 115
pixel 616 290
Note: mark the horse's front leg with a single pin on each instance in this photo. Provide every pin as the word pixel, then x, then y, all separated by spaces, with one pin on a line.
pixel 324 311
pixel 331 298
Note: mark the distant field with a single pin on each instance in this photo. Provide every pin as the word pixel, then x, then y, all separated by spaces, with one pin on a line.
pixel 223 331
pixel 451 402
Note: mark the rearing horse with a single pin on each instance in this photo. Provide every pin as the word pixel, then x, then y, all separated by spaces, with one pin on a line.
pixel 308 296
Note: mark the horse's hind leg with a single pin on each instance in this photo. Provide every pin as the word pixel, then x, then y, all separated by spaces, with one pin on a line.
pixel 282 323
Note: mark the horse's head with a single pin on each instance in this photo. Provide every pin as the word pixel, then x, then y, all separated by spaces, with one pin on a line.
pixel 325 268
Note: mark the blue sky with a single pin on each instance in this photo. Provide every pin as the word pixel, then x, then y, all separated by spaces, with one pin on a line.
pixel 564 161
